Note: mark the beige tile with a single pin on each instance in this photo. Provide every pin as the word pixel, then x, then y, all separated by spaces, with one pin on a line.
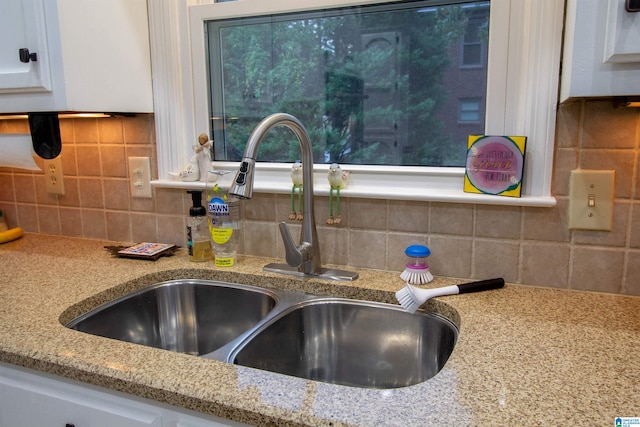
pixel 597 269
pixel 143 204
pixel 88 160
pixel 496 258
pixel 170 201
pixel 24 187
pixel 260 238
pixel 568 124
pixel 334 245
pixel 637 190
pixel 549 224
pixel 70 222
pixel 450 256
pixel 634 237
pixel 172 229
pixel 113 161
pixel 66 132
pixel 322 210
pixel 451 218
pixel 566 160
pixel 282 206
pixel 138 129
pixel 408 216
pixel 606 127
pixel 94 224
pixel 27 217
pixel 498 221
pixel 49 220
pixel 367 249
pixel 261 207
pixel 91 195
pixel 616 237
pixel 85 131
pixel 545 265
pixel 43 197
pixel 110 130
pixel 368 213
pixel 6 187
pixel 118 226
pixel 116 194
pixel 143 228
pixel 10 214
pixel 68 159
pixel 71 197
pixel 622 161
pixel 632 277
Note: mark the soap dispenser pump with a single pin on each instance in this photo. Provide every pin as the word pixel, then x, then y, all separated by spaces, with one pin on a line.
pixel 198 242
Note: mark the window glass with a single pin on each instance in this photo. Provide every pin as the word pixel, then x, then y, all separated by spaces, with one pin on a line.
pixel 469 110
pixel 376 85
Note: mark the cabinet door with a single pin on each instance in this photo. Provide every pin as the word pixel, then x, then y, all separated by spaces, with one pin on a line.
pixel 29 400
pixel 622 38
pixel 22 27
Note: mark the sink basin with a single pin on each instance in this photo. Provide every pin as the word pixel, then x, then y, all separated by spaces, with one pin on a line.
pixel 334 340
pixel 187 316
pixel 350 342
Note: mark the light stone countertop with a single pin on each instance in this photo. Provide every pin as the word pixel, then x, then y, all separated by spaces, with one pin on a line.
pixel 525 355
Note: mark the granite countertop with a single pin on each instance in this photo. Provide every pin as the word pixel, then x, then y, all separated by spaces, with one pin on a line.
pixel 525 355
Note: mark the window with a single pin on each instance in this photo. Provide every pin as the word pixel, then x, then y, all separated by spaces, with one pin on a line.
pixel 524 44
pixel 469 110
pixel 370 83
pixel 474 38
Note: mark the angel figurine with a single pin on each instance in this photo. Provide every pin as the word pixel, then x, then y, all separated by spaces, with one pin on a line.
pixel 192 171
pixel 296 178
pixel 337 181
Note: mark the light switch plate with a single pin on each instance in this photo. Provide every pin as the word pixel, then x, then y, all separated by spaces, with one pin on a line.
pixel 591 195
pixel 140 177
pixel 53 176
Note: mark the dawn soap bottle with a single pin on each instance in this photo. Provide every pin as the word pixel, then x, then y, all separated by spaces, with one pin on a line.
pixel 198 242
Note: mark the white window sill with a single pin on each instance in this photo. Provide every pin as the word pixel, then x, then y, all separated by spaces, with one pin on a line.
pixel 428 184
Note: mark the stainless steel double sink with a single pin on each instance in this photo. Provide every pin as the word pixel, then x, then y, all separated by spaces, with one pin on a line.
pixel 334 340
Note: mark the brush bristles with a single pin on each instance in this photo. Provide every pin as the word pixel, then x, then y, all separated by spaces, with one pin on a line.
pixel 407 299
pixel 416 277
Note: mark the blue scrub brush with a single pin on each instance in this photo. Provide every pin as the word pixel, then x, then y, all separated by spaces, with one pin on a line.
pixel 416 272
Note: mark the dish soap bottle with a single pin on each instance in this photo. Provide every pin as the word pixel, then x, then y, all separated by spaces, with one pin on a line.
pixel 224 227
pixel 198 243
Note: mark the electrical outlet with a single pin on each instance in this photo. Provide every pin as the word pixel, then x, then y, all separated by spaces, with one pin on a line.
pixel 53 176
pixel 591 195
pixel 140 177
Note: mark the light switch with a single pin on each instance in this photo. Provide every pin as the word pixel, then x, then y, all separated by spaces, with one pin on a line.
pixel 140 177
pixel 591 195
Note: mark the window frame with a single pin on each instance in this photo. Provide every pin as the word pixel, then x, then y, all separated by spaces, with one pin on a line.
pixel 522 96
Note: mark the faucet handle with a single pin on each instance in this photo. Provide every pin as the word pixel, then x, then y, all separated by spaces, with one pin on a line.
pixel 294 254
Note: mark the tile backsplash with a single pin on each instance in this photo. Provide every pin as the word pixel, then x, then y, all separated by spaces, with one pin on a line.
pixel 532 246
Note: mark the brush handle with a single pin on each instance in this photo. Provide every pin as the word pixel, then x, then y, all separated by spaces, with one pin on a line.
pixel 482 285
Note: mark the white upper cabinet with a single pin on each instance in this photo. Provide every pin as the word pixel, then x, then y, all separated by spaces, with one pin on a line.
pixel 24 65
pixel 86 56
pixel 602 50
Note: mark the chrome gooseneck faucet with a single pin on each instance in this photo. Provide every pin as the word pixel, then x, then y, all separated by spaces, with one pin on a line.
pixel 303 259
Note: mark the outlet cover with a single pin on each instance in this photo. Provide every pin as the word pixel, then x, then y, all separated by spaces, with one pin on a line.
pixel 140 177
pixel 53 176
pixel 591 195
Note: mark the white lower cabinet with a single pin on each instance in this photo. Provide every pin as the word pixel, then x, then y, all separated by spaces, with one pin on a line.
pixel 29 398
